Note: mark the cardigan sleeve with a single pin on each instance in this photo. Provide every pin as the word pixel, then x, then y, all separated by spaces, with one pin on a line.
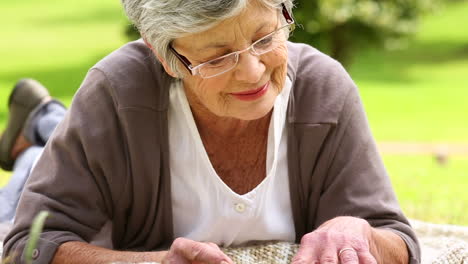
pixel 356 182
pixel 72 177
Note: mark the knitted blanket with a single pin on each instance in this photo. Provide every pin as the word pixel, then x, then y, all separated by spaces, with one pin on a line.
pixel 440 244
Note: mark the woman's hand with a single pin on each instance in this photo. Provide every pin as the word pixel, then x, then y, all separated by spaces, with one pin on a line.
pixel 345 240
pixel 186 251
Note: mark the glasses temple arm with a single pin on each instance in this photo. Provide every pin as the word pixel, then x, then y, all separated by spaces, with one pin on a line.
pixel 183 59
pixel 286 14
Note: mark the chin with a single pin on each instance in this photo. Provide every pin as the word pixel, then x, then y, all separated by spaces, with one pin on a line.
pixel 255 116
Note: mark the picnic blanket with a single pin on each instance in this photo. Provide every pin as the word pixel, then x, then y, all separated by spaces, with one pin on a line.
pixel 440 244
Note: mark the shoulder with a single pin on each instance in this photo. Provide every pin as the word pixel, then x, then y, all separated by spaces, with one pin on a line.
pixel 133 77
pixel 321 85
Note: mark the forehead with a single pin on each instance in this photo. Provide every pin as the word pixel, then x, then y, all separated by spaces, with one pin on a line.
pixel 252 19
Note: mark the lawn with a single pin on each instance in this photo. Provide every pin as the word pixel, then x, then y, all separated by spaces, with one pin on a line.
pixel 420 93
pixel 55 42
pixel 415 94
pixel 428 191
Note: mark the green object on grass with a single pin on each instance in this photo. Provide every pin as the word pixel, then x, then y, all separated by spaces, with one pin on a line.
pixel 34 234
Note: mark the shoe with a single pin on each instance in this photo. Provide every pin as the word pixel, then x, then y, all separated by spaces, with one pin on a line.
pixel 26 96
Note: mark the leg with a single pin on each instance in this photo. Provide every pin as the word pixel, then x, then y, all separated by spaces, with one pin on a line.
pixel 39 127
pixel 27 95
pixel 42 122
pixel 33 118
pixel 10 194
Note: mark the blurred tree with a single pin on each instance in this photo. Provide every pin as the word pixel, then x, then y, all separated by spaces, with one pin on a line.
pixel 339 27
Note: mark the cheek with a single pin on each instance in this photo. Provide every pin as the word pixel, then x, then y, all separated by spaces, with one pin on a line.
pixel 207 93
pixel 277 65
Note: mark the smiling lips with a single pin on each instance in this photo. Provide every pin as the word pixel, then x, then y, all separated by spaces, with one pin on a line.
pixel 252 94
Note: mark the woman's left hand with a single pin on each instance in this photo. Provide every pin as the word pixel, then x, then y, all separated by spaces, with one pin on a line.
pixel 343 240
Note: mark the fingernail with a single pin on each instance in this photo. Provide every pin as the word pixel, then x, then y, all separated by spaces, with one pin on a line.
pixel 224 262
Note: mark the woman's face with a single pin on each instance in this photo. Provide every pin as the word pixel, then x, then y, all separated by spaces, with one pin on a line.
pixel 248 91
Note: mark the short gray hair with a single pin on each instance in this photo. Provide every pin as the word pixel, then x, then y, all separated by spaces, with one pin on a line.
pixel 161 21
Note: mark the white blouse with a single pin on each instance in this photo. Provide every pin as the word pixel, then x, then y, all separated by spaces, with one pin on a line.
pixel 204 208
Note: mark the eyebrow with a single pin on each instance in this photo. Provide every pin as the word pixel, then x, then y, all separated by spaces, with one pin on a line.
pixel 218 45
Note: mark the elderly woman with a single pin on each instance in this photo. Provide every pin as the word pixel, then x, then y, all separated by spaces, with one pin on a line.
pixel 213 131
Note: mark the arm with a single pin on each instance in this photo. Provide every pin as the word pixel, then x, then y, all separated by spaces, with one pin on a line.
pixel 388 247
pixel 83 253
pixel 182 251
pixel 357 183
pixel 70 180
pixel 349 179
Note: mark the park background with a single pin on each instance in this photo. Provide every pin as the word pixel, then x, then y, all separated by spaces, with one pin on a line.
pixel 415 93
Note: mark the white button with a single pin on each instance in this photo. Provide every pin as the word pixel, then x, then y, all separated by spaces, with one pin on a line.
pixel 35 253
pixel 240 207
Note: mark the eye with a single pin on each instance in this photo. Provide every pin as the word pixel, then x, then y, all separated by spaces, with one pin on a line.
pixel 265 41
pixel 216 62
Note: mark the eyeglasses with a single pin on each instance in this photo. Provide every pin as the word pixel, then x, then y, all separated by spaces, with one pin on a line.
pixel 218 66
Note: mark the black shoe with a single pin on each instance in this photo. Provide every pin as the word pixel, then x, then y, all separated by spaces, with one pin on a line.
pixel 25 97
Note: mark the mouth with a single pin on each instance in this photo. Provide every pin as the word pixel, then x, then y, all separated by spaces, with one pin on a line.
pixel 252 94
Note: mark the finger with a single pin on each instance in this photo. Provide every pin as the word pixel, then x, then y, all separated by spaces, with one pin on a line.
pixel 305 255
pixel 328 256
pixel 366 258
pixel 213 245
pixel 199 252
pixel 348 256
pixel 303 260
pixel 174 258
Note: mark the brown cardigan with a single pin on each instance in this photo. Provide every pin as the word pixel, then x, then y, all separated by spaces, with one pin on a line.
pixel 108 160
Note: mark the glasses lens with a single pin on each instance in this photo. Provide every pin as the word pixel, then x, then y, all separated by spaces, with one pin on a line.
pixel 218 66
pixel 270 42
pixel 223 64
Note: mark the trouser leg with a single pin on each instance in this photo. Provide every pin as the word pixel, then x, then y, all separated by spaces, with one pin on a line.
pixel 38 128
pixel 10 194
pixel 42 122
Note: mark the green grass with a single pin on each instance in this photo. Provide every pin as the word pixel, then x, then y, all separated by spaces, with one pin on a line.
pixel 420 93
pixel 55 42
pixel 415 94
pixel 4 176
pixel 428 191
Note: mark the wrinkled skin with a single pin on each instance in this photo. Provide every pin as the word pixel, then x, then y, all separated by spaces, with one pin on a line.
pixel 324 244
pixel 185 251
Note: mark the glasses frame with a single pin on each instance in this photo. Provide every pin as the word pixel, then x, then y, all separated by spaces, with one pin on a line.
pixel 194 69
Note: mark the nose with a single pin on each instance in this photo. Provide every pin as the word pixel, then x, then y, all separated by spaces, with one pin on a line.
pixel 249 68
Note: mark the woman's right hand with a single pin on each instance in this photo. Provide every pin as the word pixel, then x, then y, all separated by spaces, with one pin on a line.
pixel 186 251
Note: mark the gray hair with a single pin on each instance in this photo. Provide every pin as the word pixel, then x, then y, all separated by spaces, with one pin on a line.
pixel 161 21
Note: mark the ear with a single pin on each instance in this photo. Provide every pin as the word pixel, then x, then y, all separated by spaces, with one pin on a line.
pixel 163 62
